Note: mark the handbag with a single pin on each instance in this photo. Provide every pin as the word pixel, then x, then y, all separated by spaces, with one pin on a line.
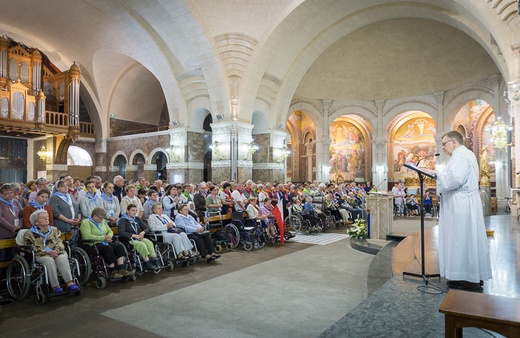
pixel 175 230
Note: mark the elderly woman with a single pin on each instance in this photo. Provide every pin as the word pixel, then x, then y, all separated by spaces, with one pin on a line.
pixel 96 230
pixel 10 212
pixel 132 227
pixel 65 209
pixel 171 234
pixel 40 203
pixel 253 211
pixel 196 232
pixel 49 251
pixel 131 198
pixel 110 203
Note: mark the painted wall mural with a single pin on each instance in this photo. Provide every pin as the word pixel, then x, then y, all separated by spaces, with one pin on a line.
pixel 414 139
pixel 347 152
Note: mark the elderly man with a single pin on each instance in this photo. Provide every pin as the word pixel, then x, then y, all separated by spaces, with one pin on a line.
pixel 463 246
pixel 119 187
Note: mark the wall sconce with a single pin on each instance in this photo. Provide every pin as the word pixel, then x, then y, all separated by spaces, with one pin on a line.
pixel 174 152
pixel 251 149
pixel 281 154
pixel 215 147
pixel 499 134
pixel 43 153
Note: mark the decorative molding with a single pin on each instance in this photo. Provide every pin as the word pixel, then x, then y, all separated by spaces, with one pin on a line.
pixel 192 73
pixel 268 166
pixel 102 168
pixel 132 137
pixel 274 79
pixel 221 164
pixel 185 165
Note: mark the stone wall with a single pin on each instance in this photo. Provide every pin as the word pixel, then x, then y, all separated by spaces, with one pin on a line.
pixel 123 127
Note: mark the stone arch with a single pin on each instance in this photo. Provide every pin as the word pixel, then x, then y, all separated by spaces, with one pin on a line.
pixel 260 121
pixel 135 154
pixel 116 154
pixel 197 118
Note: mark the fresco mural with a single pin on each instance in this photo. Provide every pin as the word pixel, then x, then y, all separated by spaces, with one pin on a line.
pixel 468 116
pixel 414 140
pixel 347 152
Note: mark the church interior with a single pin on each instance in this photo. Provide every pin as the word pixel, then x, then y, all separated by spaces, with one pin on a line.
pixel 190 91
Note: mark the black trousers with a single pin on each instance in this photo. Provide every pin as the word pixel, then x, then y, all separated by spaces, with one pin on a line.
pixel 110 252
pixel 204 243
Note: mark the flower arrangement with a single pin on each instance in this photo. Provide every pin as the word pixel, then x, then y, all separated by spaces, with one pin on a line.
pixel 358 229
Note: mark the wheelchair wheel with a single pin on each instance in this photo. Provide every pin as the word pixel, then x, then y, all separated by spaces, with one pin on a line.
pixel 18 278
pixel 248 246
pixel 218 248
pixel 156 271
pixel 171 266
pixel 261 244
pixel 84 265
pixel 233 232
pixel 229 246
pixel 294 222
pixel 41 297
pixel 101 282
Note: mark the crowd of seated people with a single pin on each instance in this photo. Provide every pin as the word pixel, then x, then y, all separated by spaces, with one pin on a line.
pixel 176 211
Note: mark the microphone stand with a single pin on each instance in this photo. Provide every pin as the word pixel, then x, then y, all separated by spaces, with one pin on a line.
pixel 425 276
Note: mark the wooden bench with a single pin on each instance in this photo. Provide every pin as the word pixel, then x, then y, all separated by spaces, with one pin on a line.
pixel 469 309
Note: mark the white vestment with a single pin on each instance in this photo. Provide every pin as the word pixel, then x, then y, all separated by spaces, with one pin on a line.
pixel 463 244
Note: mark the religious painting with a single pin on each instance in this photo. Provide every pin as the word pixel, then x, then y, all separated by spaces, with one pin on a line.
pixel 414 141
pixel 347 152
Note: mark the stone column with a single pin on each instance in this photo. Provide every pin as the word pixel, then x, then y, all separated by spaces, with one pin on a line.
pixel 230 145
pixel 380 150
pixel 101 161
pixel 269 160
pixel 186 155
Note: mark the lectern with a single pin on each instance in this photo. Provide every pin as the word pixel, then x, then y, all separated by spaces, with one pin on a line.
pixel 425 276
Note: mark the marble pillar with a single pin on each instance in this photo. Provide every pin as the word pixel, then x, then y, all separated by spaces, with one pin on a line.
pixel 231 157
pixel 186 155
pixel 270 160
pixel 381 214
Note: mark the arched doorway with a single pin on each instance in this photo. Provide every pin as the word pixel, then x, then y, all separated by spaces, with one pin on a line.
pixel 120 162
pixel 139 161
pixel 160 160
pixel 207 150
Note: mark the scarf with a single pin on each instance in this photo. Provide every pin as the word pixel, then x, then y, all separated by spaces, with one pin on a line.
pixel 187 195
pixel 36 231
pixel 63 196
pixel 91 198
pixel 132 221
pixel 10 204
pixel 37 206
pixel 107 198
pixel 98 225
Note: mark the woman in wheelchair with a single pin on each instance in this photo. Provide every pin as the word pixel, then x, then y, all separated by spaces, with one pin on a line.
pixel 96 231
pixel 132 227
pixel 197 233
pixel 160 222
pixel 49 251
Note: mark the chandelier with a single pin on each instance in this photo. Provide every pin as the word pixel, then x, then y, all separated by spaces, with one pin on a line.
pixel 499 133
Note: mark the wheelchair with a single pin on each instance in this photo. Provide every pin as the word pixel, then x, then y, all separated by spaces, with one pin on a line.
pixel 166 253
pixel 222 236
pixel 24 271
pixel 136 263
pixel 296 222
pixel 100 268
pixel 251 232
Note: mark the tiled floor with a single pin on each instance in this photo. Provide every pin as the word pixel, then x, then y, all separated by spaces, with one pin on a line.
pixel 300 290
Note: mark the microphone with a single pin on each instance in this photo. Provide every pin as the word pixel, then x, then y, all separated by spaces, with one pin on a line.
pixel 428 156
pixel 383 181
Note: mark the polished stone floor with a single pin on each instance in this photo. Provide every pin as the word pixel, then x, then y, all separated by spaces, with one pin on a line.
pixel 296 290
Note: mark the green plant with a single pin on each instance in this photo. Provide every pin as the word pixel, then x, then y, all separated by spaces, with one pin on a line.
pixel 358 229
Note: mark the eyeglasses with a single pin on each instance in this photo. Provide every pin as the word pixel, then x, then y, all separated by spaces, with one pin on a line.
pixel 444 143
